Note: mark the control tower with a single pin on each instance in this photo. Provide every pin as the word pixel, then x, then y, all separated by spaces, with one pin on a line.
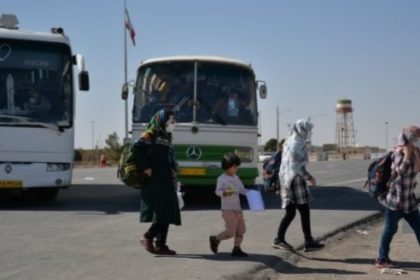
pixel 345 136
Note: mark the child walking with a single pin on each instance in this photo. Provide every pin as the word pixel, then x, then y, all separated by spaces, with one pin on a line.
pixel 228 188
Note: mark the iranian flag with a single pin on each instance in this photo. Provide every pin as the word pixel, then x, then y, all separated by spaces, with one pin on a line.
pixel 130 27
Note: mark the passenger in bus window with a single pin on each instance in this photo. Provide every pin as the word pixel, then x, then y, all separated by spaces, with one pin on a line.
pixel 3 100
pixel 152 105
pixel 37 102
pixel 232 109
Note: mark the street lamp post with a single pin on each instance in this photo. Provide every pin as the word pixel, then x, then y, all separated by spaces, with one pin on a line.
pixel 93 135
pixel 277 122
pixel 386 135
pixel 289 126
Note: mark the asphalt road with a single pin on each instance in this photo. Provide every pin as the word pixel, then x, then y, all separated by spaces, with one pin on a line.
pixel 91 230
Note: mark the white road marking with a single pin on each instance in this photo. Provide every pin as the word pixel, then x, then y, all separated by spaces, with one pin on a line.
pixel 89 178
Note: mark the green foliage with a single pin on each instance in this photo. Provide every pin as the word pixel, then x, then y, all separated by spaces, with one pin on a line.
pixel 112 150
pixel 78 155
pixel 113 147
pixel 271 145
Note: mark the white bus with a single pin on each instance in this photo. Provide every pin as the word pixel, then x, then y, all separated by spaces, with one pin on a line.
pixel 216 110
pixel 37 107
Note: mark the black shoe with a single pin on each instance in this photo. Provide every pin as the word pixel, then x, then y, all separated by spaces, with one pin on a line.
pixel 282 245
pixel 214 243
pixel 237 252
pixel 313 246
pixel 164 250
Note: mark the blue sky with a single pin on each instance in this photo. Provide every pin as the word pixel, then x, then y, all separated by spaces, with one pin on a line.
pixel 310 53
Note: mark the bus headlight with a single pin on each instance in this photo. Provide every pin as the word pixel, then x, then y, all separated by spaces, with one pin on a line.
pixel 57 166
pixel 245 154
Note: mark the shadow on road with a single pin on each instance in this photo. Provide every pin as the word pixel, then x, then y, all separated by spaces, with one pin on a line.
pixel 269 261
pixel 113 199
pixel 331 198
pixel 411 266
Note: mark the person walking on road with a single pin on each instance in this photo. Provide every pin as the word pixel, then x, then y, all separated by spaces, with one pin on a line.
pixel 400 202
pixel 228 188
pixel 155 158
pixel 294 191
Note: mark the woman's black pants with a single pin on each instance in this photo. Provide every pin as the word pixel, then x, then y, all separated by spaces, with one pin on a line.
pixel 288 218
pixel 158 231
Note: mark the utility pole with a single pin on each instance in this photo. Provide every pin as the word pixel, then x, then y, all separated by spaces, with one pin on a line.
pixel 278 113
pixel 386 136
pixel 93 135
pixel 277 124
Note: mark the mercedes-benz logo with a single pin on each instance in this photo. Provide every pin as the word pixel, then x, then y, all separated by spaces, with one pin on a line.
pixel 194 152
pixel 8 168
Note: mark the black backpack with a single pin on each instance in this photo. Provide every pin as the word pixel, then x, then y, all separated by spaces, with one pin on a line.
pixel 269 168
pixel 268 165
pixel 379 176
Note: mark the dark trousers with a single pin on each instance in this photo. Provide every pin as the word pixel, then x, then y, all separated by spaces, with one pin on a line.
pixel 288 218
pixel 159 232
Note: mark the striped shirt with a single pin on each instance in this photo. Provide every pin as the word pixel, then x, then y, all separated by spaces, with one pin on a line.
pixel 401 195
pixel 299 192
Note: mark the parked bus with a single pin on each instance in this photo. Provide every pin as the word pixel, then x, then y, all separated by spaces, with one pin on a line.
pixel 216 111
pixel 37 106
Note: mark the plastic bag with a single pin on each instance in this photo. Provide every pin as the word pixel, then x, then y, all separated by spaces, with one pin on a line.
pixel 180 195
pixel 255 201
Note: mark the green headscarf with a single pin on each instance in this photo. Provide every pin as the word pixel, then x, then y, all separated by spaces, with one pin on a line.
pixel 157 124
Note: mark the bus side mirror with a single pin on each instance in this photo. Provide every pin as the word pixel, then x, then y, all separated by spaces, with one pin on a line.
pixel 263 91
pixel 84 80
pixel 83 74
pixel 124 91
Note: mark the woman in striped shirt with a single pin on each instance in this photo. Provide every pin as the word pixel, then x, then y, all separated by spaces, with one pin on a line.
pixel 400 202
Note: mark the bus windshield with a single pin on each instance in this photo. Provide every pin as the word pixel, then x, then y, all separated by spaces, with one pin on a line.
pixel 225 93
pixel 35 84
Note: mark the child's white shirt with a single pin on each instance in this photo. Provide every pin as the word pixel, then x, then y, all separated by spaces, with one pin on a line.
pixel 225 182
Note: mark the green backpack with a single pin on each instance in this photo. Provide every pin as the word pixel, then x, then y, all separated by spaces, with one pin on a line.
pixel 127 168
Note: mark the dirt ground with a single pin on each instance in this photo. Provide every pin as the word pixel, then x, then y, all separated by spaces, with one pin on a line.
pixel 350 255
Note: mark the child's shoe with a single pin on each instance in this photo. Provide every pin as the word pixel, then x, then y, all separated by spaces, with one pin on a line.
pixel 214 244
pixel 237 252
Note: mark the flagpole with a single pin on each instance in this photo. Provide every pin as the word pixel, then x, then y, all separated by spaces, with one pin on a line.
pixel 125 74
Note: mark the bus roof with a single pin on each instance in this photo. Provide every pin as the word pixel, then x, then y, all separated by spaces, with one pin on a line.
pixel 217 59
pixel 18 34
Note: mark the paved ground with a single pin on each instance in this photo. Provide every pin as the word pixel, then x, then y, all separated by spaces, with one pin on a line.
pixel 349 256
pixel 91 232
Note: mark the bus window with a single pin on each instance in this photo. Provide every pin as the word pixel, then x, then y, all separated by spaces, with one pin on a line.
pixel 225 95
pixel 164 85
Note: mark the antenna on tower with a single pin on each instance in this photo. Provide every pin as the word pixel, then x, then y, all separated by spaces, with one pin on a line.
pixel 345 136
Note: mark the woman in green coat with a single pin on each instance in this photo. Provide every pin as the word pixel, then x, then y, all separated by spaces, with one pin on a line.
pixel 155 158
